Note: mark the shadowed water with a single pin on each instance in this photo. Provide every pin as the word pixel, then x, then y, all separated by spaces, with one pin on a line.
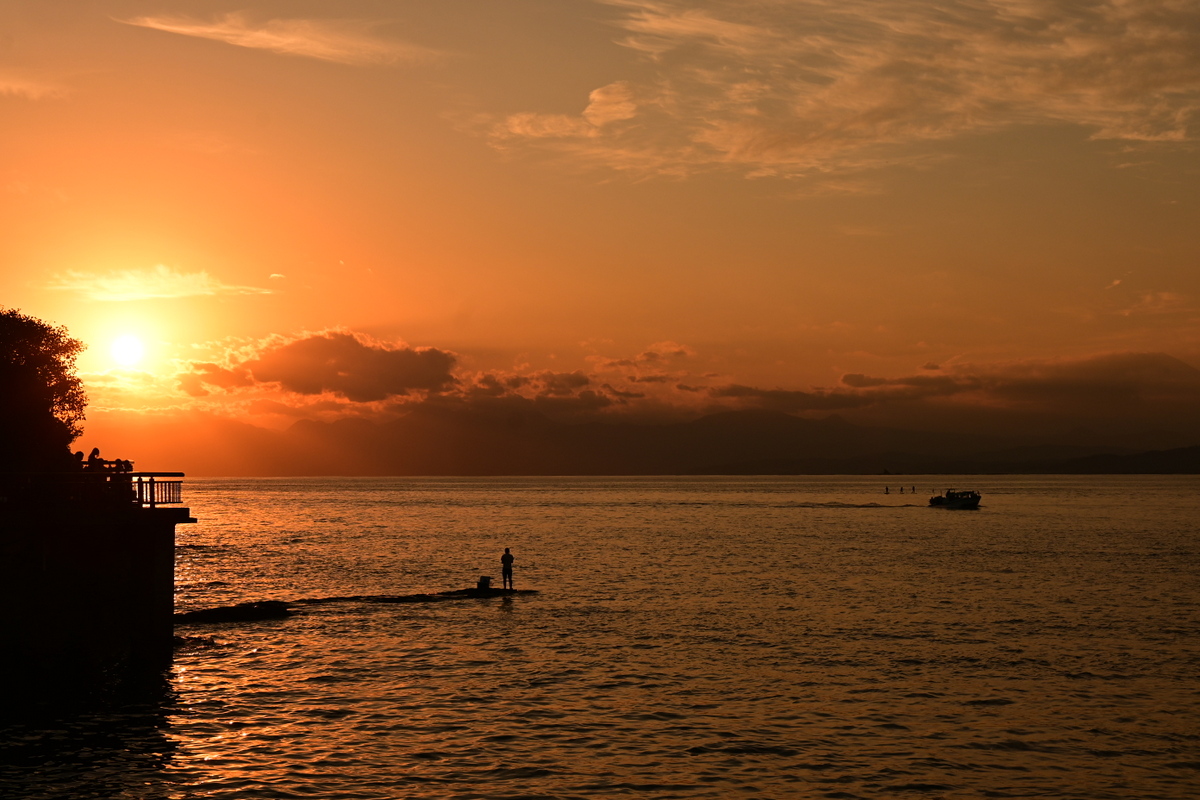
pixel 698 637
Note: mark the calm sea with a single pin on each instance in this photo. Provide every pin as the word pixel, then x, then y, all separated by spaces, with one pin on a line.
pixel 693 637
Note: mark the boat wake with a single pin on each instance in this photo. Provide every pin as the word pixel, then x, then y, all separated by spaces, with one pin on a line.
pixel 852 505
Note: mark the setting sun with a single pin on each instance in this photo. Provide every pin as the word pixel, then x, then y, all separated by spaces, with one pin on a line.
pixel 128 350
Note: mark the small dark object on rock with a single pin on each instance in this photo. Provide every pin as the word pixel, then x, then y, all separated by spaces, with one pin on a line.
pixel 242 612
pixel 485 582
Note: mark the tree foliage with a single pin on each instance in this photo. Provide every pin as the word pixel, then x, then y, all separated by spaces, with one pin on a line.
pixel 42 401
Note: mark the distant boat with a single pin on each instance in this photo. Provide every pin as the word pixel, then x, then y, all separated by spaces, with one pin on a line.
pixel 953 499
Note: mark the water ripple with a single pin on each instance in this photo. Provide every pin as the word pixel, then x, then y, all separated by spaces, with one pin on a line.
pixel 693 639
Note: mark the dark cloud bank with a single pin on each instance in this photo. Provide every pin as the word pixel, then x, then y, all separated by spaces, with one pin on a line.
pixel 336 362
pixel 396 410
pixel 444 441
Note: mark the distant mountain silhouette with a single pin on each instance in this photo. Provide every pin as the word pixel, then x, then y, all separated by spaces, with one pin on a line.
pixel 457 441
pixel 439 441
pixel 1178 461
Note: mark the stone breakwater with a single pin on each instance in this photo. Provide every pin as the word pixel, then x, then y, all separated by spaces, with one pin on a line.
pixel 278 609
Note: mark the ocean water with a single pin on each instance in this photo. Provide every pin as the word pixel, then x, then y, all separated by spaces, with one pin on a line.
pixel 692 638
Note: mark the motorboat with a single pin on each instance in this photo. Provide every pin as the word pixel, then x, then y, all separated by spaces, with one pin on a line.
pixel 956 499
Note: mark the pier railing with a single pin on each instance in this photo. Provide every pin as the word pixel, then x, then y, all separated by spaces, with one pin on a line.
pixel 152 490
pixel 110 487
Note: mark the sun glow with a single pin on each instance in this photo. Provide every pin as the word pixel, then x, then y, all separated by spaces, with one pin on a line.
pixel 127 350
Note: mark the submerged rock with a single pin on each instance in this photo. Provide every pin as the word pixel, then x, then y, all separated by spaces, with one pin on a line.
pixel 425 597
pixel 242 612
pixel 277 609
pixel 454 594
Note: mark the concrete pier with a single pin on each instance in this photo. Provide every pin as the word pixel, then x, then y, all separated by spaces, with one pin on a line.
pixel 87 578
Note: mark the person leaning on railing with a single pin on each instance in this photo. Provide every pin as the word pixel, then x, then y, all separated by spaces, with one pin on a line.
pixel 96 463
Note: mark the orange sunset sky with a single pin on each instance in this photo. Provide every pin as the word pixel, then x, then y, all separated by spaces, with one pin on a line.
pixel 906 213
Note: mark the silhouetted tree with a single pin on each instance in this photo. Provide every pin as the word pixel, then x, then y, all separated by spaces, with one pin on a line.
pixel 41 400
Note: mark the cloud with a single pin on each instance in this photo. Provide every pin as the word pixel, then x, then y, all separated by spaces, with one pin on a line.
pixel 1159 303
pixel 556 394
pixel 1100 383
pixel 1129 399
pixel 658 28
pixel 543 126
pixel 146 284
pixel 353 373
pixel 15 84
pixel 558 384
pixel 611 103
pixel 341 41
pixel 606 105
pixel 790 401
pixel 812 87
pixel 1109 389
pixel 335 374
pixel 334 362
pixel 205 374
pixel 659 354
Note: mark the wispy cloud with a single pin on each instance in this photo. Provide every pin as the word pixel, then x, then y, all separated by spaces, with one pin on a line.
pixel 608 104
pixel 146 284
pixel 1159 303
pixel 828 86
pixel 342 41
pixel 17 84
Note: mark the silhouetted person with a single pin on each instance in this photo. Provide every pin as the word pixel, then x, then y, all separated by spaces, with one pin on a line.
pixel 94 460
pixel 885 490
pixel 506 562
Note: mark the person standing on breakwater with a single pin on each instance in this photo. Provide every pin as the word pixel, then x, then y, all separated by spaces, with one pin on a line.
pixel 506 562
